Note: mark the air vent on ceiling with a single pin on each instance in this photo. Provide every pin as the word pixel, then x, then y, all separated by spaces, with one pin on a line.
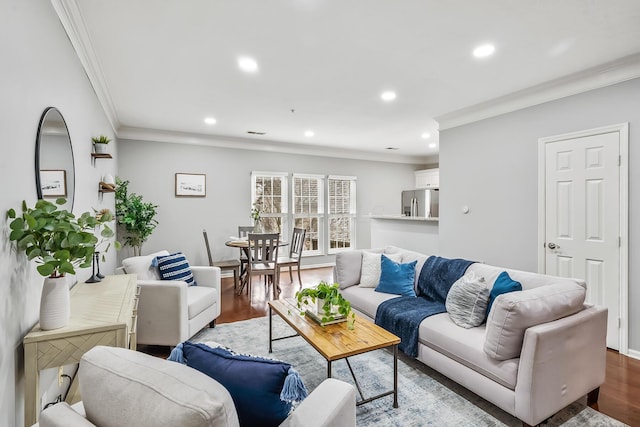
pixel 251 132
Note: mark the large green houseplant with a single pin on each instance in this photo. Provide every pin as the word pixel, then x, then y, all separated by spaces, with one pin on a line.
pixel 329 299
pixel 135 216
pixel 59 242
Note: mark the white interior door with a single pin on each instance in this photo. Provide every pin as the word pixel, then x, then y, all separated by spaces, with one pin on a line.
pixel 582 218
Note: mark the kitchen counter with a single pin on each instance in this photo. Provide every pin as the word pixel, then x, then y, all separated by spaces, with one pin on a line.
pixel 404 218
pixel 418 234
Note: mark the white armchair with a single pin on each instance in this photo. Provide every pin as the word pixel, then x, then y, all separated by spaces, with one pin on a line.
pixel 169 311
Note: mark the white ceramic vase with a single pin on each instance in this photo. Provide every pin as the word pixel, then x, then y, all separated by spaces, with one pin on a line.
pixel 55 307
pixel 320 305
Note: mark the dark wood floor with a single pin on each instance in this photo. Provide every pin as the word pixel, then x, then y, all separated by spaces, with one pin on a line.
pixel 619 396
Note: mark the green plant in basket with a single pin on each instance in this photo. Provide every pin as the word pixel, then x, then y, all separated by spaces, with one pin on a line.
pixel 331 297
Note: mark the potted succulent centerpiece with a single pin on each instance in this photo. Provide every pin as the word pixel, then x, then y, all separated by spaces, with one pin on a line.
pixel 59 242
pixel 331 305
pixel 100 144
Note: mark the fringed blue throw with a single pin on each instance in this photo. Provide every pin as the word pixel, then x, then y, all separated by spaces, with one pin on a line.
pixel 177 355
pixel 402 316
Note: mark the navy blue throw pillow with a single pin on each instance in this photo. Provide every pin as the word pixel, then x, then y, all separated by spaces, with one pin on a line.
pixel 396 278
pixel 503 284
pixel 256 384
pixel 175 267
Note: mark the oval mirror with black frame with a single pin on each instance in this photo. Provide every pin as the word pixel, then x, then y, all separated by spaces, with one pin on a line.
pixel 55 171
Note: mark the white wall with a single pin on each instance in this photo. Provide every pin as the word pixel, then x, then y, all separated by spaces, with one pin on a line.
pixel 151 166
pixel 491 166
pixel 39 69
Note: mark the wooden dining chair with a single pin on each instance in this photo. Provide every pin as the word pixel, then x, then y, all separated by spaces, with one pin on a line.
pixel 263 259
pixel 226 265
pixel 243 233
pixel 295 253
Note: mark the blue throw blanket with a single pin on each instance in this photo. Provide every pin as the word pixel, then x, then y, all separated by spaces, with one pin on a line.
pixel 402 316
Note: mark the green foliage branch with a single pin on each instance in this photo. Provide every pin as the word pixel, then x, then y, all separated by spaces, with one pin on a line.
pixel 134 215
pixel 57 240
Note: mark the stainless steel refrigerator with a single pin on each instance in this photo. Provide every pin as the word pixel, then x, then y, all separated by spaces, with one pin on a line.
pixel 421 203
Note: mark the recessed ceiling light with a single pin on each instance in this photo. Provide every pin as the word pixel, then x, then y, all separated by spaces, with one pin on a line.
pixel 484 51
pixel 309 133
pixel 425 135
pixel 210 121
pixel 432 145
pixel 247 64
pixel 388 96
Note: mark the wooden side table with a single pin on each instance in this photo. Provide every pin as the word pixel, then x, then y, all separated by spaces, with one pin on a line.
pixel 103 313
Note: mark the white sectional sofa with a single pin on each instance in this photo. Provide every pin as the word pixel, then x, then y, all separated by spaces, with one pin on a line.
pixel 518 360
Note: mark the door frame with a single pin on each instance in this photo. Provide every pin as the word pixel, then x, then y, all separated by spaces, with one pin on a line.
pixel 623 131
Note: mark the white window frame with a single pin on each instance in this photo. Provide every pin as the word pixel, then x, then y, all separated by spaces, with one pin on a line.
pixel 321 216
pixel 352 213
pixel 284 214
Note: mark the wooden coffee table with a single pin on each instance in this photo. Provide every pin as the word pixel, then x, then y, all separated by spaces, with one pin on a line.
pixel 335 342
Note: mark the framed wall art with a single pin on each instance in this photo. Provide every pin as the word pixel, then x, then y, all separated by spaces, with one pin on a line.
pixel 53 183
pixel 191 185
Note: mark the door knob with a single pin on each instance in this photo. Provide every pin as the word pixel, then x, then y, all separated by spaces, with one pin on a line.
pixel 553 246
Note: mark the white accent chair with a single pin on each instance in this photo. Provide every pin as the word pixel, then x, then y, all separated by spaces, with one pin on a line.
pixel 169 311
pixel 121 387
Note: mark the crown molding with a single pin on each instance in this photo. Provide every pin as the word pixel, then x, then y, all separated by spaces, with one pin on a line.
pixel 72 22
pixel 153 135
pixel 617 71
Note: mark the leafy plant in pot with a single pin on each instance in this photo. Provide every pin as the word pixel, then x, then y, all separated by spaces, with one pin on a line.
pixel 59 242
pixel 100 143
pixel 328 298
pixel 136 217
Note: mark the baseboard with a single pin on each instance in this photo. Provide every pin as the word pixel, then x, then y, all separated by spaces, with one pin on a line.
pixel 304 267
pixel 634 354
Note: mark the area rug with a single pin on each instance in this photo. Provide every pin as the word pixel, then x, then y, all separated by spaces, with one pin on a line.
pixel 425 397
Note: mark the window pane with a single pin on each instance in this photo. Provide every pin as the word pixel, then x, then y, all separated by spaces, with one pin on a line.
pixel 340 232
pixel 310 224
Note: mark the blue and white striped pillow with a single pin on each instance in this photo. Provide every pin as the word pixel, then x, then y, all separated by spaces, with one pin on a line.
pixel 175 267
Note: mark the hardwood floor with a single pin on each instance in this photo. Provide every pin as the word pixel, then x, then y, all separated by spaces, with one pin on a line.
pixel 619 396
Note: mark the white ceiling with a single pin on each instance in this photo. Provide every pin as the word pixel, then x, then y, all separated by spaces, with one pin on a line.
pixel 161 67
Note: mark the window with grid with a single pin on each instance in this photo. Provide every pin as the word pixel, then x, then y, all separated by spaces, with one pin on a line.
pixel 308 210
pixel 341 212
pixel 269 195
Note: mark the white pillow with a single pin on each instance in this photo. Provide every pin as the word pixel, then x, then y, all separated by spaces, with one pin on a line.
pixel 141 266
pixel 370 272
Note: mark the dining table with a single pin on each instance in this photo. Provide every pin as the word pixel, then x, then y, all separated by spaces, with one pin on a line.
pixel 243 244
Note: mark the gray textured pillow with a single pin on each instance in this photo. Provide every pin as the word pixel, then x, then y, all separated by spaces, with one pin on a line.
pixel 467 301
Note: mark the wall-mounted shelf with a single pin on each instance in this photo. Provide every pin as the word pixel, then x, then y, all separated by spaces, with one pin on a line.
pixel 95 156
pixel 105 188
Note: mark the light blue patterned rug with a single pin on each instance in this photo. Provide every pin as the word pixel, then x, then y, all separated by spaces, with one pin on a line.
pixel 425 397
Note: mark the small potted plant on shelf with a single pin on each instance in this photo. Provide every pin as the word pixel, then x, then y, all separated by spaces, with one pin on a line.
pixel 59 242
pixel 100 144
pixel 331 305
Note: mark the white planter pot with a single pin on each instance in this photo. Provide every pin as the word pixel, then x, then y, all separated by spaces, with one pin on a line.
pixel 320 310
pixel 55 307
pixel 100 148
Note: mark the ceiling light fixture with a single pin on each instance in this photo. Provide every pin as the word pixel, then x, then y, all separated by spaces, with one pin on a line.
pixel 432 145
pixel 248 65
pixel 309 134
pixel 484 51
pixel 388 96
pixel 210 121
pixel 425 135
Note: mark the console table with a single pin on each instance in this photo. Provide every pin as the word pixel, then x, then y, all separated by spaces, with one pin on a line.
pixel 103 313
